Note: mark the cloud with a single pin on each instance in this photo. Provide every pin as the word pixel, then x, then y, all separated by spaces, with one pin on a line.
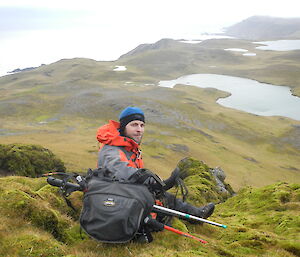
pixel 154 14
pixel 28 18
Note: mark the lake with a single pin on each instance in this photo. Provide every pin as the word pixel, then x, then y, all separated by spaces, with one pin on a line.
pixel 246 94
pixel 279 45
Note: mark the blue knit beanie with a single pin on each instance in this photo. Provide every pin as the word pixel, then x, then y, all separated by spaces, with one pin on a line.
pixel 129 114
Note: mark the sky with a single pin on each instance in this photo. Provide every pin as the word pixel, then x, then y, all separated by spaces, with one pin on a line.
pixel 35 32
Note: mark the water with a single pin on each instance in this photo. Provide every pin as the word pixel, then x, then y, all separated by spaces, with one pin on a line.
pixel 279 45
pixel 244 51
pixel 246 94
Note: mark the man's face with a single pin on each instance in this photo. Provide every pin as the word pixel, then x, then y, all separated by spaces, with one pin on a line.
pixel 135 130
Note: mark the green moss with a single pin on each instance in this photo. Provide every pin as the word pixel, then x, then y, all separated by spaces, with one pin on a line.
pixel 286 224
pixel 33 212
pixel 292 247
pixel 19 182
pixel 178 224
pixel 200 182
pixel 28 160
pixel 190 166
pixel 269 215
pixel 34 208
pixel 295 186
pixel 273 197
pixel 222 251
pixel 75 234
pixel 53 196
pixel 32 244
pixel 241 249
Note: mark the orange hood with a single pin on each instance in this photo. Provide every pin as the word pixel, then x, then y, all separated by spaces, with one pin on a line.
pixel 109 135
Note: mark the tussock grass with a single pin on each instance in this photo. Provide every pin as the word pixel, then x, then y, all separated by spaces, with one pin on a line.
pixel 28 160
pixel 261 221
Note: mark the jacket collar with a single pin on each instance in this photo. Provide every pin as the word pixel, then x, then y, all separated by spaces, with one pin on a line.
pixel 109 135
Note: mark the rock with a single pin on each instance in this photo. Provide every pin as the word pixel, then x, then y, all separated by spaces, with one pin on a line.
pixel 220 176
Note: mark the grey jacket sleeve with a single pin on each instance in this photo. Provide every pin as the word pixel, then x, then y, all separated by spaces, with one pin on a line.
pixel 109 158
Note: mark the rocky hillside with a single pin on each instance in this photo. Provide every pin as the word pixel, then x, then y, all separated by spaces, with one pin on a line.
pixel 266 28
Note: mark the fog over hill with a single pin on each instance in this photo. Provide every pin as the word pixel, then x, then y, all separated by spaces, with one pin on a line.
pixel 266 28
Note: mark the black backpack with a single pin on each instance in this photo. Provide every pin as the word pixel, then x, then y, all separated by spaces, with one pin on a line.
pixel 114 211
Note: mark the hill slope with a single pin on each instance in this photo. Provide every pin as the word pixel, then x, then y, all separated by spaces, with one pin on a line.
pixel 266 28
pixel 36 221
pixel 60 106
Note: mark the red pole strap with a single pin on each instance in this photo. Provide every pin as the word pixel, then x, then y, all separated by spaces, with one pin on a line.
pixel 184 234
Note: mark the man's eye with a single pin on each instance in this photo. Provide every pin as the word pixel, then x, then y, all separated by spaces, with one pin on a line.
pixel 136 125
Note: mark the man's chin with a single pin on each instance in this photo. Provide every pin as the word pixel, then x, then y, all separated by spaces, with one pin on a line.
pixel 138 140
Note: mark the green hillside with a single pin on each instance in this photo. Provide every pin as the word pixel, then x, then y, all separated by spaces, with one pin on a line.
pixel 36 221
pixel 169 59
pixel 61 105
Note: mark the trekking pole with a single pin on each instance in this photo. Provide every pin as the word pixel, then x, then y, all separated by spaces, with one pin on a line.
pixel 164 210
pixel 184 234
pixel 160 226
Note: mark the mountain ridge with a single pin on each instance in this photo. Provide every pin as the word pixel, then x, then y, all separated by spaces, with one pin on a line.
pixel 265 28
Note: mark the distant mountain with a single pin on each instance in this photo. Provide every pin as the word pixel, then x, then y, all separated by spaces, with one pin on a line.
pixel 163 43
pixel 265 28
pixel 25 69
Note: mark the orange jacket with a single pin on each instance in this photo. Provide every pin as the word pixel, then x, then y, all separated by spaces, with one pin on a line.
pixel 120 155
